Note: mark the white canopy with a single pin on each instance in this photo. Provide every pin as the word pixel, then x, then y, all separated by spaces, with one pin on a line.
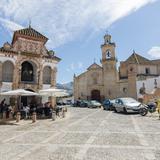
pixel 54 92
pixel 19 92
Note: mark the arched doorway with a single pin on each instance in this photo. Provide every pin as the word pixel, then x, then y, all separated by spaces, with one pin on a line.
pixel 7 71
pixel 95 95
pixel 27 72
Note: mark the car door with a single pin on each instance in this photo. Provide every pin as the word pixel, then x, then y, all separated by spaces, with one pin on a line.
pixel 119 105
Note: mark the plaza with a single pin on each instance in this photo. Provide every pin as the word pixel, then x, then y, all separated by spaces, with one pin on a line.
pixel 84 134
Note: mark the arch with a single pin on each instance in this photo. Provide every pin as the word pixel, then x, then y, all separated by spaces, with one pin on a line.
pixel 108 54
pixel 7 71
pixel 95 95
pixel 47 75
pixel 28 71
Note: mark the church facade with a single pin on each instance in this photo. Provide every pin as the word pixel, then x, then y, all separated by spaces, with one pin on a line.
pixel 27 63
pixel 105 81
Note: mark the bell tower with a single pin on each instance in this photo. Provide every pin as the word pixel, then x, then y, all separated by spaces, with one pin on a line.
pixel 110 74
pixel 108 49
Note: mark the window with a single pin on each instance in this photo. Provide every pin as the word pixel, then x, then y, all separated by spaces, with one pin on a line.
pixel 124 90
pixel 27 72
pixel 7 71
pixel 147 70
pixel 47 75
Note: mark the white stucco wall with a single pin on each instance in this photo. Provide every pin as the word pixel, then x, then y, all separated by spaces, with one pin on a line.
pixel 149 84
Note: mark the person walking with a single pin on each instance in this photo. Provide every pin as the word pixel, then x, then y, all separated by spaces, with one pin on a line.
pixel 158 107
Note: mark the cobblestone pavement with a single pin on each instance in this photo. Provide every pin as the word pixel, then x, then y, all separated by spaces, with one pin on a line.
pixel 85 134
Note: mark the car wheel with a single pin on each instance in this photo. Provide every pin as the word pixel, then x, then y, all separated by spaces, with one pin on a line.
pixel 115 110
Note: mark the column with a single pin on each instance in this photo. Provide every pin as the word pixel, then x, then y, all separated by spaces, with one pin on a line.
pixel 1 75
pixel 16 76
pixel 53 84
pixel 53 77
pixel 40 78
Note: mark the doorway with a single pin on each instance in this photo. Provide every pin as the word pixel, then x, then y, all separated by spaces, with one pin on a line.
pixel 95 95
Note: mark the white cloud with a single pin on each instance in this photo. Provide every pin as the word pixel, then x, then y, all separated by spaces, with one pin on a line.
pixel 10 25
pixel 74 66
pixel 154 52
pixel 63 20
pixel 80 65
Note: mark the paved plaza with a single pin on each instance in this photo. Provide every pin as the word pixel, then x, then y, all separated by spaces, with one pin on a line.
pixel 85 134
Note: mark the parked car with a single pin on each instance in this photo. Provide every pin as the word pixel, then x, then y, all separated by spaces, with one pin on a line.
pixel 84 103
pixel 94 104
pixel 109 104
pixel 127 105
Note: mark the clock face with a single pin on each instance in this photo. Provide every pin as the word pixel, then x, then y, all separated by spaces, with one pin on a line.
pixel 108 54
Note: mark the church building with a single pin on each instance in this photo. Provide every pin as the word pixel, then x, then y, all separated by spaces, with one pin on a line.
pixel 26 62
pixel 105 81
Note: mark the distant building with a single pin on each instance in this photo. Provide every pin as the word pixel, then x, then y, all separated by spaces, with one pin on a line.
pixel 26 63
pixel 105 81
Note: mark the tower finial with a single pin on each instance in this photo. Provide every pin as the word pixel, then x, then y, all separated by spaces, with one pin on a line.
pixel 29 23
pixel 94 60
pixel 107 31
pixel 134 51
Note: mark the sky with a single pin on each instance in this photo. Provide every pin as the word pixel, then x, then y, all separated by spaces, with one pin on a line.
pixel 76 28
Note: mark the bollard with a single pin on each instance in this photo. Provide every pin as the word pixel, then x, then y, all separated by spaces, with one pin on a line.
pixel 53 116
pixel 34 117
pixel 63 113
pixel 4 115
pixel 18 117
pixel 65 109
pixel 10 115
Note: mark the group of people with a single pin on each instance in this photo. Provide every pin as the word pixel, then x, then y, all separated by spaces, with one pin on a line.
pixel 42 110
pixel 5 108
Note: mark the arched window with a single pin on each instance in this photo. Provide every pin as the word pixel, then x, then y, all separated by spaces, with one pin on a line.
pixel 27 72
pixel 108 54
pixel 7 71
pixel 47 75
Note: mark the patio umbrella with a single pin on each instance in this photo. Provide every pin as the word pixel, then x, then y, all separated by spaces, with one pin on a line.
pixel 18 92
pixel 54 92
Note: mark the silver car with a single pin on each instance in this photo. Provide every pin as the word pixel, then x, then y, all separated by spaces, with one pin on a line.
pixel 127 105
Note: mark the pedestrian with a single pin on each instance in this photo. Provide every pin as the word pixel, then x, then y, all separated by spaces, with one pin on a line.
pixel 158 107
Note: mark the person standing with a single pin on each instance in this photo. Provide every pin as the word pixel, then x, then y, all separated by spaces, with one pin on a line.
pixel 158 107
pixel 2 107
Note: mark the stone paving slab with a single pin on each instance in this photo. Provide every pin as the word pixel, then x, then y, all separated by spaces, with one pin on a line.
pixel 117 139
pixel 86 134
pixel 71 138
pixel 115 154
pixel 53 153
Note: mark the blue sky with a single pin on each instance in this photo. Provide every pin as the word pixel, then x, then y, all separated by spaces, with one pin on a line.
pixel 76 28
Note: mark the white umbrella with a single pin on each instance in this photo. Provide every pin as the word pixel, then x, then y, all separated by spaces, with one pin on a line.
pixel 19 92
pixel 54 92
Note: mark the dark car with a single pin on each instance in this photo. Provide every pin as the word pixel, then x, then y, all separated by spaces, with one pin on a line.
pixel 84 103
pixel 108 104
pixel 94 104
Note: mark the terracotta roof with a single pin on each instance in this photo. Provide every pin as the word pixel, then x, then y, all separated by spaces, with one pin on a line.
pixel 7 51
pixel 30 32
pixel 53 57
pixel 137 59
pixel 93 66
pixel 156 61
pixel 30 54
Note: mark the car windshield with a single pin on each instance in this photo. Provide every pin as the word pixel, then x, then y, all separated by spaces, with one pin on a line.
pixel 94 102
pixel 129 100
